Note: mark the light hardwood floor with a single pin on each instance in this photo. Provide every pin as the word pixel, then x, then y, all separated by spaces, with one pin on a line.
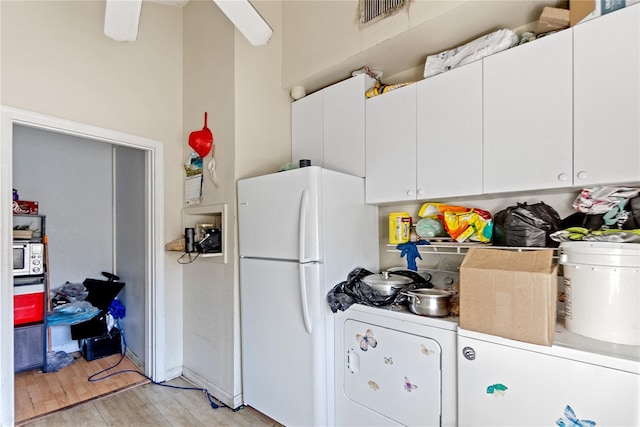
pixel 38 393
pixel 153 405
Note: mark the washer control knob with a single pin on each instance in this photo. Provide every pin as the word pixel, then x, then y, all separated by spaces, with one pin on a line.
pixel 469 353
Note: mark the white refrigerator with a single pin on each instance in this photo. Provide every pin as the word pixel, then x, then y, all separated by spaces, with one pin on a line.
pixel 300 233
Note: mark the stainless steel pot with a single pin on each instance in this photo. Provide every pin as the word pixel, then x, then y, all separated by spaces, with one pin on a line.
pixel 429 302
pixel 386 283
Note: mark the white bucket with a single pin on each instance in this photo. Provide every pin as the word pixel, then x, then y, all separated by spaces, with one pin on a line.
pixel 602 290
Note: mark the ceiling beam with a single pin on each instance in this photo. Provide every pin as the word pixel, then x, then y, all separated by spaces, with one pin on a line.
pixel 121 19
pixel 247 20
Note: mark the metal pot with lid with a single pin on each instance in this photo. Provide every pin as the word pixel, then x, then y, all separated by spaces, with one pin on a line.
pixel 387 283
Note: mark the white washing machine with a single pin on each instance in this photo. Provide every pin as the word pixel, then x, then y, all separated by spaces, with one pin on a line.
pixel 394 367
pixel 578 381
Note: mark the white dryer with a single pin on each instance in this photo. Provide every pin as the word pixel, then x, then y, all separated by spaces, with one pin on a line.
pixel 394 367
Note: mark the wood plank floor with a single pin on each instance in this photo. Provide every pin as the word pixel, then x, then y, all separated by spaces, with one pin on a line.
pixel 153 405
pixel 38 393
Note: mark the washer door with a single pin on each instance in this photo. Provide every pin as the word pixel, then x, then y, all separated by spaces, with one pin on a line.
pixel 393 373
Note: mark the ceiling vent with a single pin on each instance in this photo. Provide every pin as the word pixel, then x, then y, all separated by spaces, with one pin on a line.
pixel 374 9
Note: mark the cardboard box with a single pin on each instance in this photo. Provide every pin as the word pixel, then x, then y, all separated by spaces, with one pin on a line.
pixel 510 294
pixel 584 10
pixel 25 207
pixel 552 19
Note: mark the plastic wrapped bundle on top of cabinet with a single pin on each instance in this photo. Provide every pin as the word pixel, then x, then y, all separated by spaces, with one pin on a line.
pixel 474 50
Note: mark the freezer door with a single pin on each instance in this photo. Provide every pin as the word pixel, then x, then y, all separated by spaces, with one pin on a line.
pixel 278 215
pixel 284 367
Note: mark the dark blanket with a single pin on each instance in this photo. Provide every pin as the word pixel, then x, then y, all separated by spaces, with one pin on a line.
pixel 354 290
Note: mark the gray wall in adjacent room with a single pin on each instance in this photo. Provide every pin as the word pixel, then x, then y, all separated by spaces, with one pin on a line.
pixel 72 179
pixel 130 243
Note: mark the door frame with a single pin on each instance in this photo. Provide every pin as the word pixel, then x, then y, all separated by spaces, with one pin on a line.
pixel 154 256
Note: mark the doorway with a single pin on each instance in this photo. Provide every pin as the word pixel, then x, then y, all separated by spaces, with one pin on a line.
pixel 125 147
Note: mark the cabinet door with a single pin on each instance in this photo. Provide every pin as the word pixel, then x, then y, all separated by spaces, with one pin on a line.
pixel 607 98
pixel 508 386
pixel 391 146
pixel 28 347
pixel 449 133
pixel 307 129
pixel 528 116
pixel 344 125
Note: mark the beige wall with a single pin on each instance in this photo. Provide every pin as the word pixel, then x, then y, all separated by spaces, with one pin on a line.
pixel 263 107
pixel 208 330
pixel 239 85
pixel 56 61
pixel 323 41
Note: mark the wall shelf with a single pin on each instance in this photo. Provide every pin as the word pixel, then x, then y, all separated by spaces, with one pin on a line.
pixel 210 215
pixel 445 247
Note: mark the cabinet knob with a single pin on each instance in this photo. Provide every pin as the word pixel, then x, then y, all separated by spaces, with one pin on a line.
pixel 410 193
pixel 582 175
pixel 563 177
pixel 420 191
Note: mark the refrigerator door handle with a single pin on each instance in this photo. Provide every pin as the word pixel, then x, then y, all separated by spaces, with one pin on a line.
pixel 302 226
pixel 304 303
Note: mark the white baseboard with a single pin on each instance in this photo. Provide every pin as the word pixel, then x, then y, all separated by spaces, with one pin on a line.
pixel 173 373
pixel 135 359
pixel 232 401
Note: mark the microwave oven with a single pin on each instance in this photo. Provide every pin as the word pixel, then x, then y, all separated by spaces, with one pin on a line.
pixel 28 259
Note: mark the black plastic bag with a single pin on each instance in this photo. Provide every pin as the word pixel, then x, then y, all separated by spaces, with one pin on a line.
pixel 354 290
pixel 526 225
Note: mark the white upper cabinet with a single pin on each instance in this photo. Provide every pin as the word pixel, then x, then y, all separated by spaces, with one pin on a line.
pixel 607 98
pixel 328 126
pixel 528 116
pixel 449 133
pixel 391 146
pixel 562 111
pixel 344 125
pixel 307 129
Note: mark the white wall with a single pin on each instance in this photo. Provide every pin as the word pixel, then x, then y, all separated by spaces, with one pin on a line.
pixel 57 61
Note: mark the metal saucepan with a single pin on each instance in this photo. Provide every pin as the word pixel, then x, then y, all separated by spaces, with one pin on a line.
pixel 386 283
pixel 429 302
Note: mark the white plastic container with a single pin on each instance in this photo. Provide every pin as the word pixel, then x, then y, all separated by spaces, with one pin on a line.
pixel 602 290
